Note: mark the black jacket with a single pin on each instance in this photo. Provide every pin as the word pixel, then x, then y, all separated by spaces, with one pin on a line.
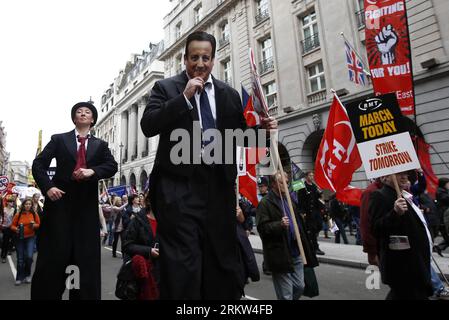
pixel 336 210
pixel 69 231
pixel 139 237
pixel 274 237
pixel 400 268
pixel 309 205
pixel 167 110
pixel 442 198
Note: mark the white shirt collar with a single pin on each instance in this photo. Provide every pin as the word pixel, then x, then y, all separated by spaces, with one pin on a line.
pixel 209 80
pixel 77 134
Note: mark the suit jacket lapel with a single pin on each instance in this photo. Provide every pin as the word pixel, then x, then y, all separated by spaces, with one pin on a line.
pixel 92 147
pixel 220 99
pixel 70 143
pixel 181 82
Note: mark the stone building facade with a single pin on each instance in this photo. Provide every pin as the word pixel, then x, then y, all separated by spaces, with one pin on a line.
pixel 122 106
pixel 300 54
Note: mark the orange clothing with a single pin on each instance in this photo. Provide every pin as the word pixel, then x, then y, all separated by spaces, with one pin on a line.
pixel 25 219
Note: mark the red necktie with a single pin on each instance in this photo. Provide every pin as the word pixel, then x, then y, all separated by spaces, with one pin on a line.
pixel 81 156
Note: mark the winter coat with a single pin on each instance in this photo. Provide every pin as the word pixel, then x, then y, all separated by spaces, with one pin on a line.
pixel 274 237
pixel 337 210
pixel 139 239
pixel 442 198
pixel 409 268
pixel 308 204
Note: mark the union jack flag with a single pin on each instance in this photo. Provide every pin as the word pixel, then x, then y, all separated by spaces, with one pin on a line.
pixel 355 66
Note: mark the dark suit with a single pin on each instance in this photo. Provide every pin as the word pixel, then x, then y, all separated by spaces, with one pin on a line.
pixel 407 272
pixel 194 204
pixel 69 232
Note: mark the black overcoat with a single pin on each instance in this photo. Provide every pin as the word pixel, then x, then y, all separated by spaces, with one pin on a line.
pixel 69 233
pixel 406 271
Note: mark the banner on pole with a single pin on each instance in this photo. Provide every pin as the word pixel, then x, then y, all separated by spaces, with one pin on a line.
pixel 388 50
pixel 383 142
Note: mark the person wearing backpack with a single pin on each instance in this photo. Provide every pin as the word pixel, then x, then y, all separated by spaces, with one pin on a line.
pixel 24 224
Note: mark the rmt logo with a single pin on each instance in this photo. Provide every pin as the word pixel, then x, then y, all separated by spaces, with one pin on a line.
pixel 370 104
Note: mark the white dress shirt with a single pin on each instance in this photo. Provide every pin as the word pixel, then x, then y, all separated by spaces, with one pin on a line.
pixel 79 143
pixel 210 91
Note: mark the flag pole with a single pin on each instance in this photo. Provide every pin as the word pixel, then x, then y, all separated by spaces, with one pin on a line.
pixel 237 191
pixel 106 190
pixel 257 85
pixel 368 73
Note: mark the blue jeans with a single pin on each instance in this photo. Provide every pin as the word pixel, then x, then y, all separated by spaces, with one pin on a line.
pixel 358 236
pixel 290 286
pixel 110 225
pixel 25 250
pixel 341 231
pixel 437 284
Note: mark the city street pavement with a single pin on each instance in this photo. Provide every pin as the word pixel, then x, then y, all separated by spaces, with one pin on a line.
pixel 348 255
pixel 334 282
pixel 341 275
pixel 109 270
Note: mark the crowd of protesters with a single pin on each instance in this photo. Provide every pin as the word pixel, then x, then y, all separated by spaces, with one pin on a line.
pixel 130 220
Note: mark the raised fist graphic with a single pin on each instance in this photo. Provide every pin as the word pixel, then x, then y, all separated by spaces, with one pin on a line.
pixel 386 41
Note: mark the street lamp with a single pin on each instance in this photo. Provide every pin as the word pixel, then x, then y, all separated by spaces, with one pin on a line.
pixel 120 170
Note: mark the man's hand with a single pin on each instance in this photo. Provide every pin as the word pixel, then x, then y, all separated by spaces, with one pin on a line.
pixel 400 206
pixel 83 174
pixel 55 194
pixel 240 216
pixel 269 123
pixel 194 85
pixel 154 252
pixel 373 259
pixel 285 222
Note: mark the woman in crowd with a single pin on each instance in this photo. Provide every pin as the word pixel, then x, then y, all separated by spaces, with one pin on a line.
pixel 140 238
pixel 6 218
pixel 24 224
pixel 117 212
pixel 134 206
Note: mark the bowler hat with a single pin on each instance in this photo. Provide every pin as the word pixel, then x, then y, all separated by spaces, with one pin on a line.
pixel 86 105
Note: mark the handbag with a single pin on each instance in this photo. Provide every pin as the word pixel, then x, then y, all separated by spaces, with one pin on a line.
pixel 311 284
pixel 126 287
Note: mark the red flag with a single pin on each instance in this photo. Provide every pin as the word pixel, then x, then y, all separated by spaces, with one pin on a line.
pixel 424 160
pixel 350 195
pixel 338 156
pixel 248 185
pixel 251 116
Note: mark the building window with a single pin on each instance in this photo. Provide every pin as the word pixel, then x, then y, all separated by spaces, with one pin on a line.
pixel 310 33
pixel 267 56
pixel 178 30
pixel 360 14
pixel 224 34
pixel 316 77
pixel 227 72
pixel 178 64
pixel 270 91
pixel 198 14
pixel 261 10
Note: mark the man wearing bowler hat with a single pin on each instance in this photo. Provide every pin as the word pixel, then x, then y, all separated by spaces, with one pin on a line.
pixel 70 237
